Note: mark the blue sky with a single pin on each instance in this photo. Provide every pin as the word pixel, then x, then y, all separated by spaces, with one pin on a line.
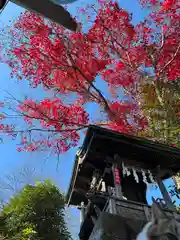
pixel 46 166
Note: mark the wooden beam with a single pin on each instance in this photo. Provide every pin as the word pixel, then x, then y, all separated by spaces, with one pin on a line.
pixel 83 180
pixel 161 173
pixel 94 220
pixel 89 165
pixel 82 212
pixel 80 191
pixel 112 206
pixel 97 210
pixel 128 162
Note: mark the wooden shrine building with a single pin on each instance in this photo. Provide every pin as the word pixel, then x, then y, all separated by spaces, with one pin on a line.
pixel 109 183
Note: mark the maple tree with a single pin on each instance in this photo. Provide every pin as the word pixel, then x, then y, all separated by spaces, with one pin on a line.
pixel 141 61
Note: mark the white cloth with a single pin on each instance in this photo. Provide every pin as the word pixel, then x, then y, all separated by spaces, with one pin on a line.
pixel 135 175
pixel 125 170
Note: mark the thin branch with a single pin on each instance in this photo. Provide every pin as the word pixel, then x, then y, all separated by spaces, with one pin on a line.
pixel 170 61
pixel 95 88
pixel 44 130
pixel 46 118
pixel 88 80
pixel 53 130
pixel 113 39
pixel 162 38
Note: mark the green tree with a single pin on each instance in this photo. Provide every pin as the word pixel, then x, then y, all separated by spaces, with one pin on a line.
pixel 160 104
pixel 2 238
pixel 36 212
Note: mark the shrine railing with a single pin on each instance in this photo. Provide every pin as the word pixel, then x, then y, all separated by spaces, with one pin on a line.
pixel 110 224
pixel 132 210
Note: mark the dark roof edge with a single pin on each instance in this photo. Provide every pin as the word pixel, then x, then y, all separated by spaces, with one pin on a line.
pixel 74 170
pixel 2 6
pixel 72 181
pixel 140 139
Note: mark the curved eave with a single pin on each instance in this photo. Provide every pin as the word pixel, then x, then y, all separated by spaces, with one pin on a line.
pixel 3 3
pixel 76 167
pixel 72 181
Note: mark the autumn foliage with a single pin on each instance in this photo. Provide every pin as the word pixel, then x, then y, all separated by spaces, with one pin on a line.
pixel 137 60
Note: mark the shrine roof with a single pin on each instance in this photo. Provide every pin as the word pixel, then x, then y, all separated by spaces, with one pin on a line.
pixel 101 143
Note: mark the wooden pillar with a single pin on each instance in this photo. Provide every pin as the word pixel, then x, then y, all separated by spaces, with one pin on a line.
pixel 164 191
pixel 82 212
pixel 117 177
pixel 112 206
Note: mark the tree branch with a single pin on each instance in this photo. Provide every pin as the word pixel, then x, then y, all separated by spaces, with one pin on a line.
pixel 44 118
pixel 170 61
pixel 44 130
pixel 88 80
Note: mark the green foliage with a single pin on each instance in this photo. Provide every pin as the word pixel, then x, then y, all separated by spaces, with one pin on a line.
pixel 177 185
pixel 161 101
pixel 160 104
pixel 37 212
pixel 2 238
